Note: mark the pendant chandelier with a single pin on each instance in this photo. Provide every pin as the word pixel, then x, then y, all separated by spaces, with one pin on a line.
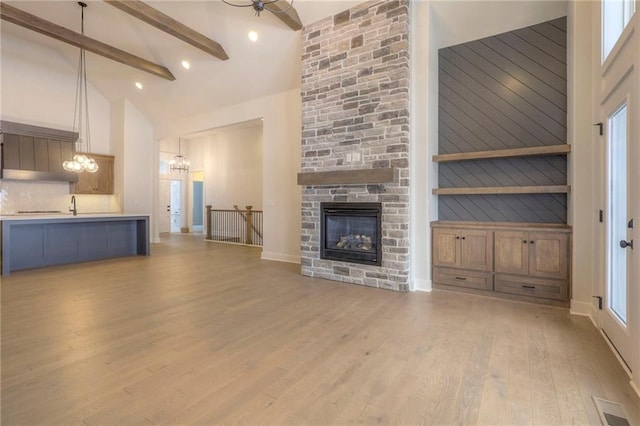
pixel 179 162
pixel 80 162
pixel 260 5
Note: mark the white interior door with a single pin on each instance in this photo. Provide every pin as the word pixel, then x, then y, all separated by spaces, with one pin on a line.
pixel 176 205
pixel 164 208
pixel 619 310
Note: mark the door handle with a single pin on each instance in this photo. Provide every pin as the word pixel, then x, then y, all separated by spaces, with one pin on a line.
pixel 625 244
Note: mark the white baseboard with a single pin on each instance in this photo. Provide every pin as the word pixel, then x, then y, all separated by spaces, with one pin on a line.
pixel 421 285
pixel 586 310
pixel 580 308
pixel 280 257
pixel 595 316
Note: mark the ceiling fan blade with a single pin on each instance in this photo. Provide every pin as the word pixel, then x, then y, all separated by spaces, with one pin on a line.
pixel 285 12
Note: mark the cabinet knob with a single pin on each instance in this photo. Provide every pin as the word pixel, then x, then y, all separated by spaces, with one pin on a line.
pixel 524 241
pixel 457 238
pixel 530 242
pixel 464 238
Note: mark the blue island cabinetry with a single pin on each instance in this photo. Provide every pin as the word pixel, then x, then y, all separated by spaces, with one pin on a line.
pixel 34 242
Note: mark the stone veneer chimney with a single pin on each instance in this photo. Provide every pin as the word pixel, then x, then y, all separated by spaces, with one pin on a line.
pixel 355 99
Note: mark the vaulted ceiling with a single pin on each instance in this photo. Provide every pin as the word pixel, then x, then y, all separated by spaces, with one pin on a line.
pixel 254 69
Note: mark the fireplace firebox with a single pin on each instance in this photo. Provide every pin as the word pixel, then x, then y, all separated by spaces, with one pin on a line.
pixel 351 232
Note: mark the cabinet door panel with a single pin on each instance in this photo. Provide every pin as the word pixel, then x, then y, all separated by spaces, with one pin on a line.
pixel 54 151
pixel 511 252
pixel 66 152
pixel 104 177
pixel 41 153
pixel 86 183
pixel 477 250
pixel 446 249
pixel 548 255
pixel 27 157
pixel 11 151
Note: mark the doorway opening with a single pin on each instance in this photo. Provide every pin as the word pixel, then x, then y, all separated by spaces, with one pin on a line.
pixel 198 206
pixel 170 207
pixel 176 202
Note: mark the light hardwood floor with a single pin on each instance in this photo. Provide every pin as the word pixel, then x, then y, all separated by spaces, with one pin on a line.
pixel 203 333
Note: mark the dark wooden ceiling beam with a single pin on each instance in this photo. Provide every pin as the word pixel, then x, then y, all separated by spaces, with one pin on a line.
pixel 34 23
pixel 165 23
pixel 287 14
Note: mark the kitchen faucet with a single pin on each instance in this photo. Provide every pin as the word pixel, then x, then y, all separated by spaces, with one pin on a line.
pixel 74 209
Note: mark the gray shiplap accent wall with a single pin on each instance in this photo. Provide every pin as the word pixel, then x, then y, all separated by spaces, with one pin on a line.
pixel 531 208
pixel 504 91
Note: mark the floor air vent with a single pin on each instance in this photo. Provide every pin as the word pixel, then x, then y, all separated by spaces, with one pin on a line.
pixel 611 413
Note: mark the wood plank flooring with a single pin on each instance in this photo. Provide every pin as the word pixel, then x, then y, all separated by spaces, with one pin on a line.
pixel 207 333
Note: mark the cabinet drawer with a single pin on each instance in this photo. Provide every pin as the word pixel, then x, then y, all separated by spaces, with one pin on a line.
pixel 463 278
pixel 545 289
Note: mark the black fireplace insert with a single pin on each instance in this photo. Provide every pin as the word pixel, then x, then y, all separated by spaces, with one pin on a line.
pixel 351 232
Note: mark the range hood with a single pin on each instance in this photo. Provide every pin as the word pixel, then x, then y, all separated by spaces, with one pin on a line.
pixel 35 153
pixel 13 174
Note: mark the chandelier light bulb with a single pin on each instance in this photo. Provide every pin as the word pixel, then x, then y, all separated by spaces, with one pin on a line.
pixel 91 166
pixel 253 36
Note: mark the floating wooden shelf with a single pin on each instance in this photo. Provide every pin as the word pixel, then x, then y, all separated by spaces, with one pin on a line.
pixel 347 177
pixel 548 189
pixel 504 153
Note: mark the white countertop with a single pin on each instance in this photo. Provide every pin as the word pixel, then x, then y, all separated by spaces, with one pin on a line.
pixel 45 216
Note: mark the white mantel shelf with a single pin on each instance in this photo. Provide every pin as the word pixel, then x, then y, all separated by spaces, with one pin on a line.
pixel 348 177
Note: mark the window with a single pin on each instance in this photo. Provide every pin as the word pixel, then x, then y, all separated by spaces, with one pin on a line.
pixel 616 14
pixel 617 221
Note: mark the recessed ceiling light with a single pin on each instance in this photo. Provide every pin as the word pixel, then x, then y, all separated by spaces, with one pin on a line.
pixel 186 65
pixel 253 36
pixel 139 85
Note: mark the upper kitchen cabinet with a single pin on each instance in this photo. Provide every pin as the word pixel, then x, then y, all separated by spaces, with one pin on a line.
pixel 100 182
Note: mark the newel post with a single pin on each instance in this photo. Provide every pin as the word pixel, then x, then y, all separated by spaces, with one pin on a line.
pixel 209 237
pixel 249 224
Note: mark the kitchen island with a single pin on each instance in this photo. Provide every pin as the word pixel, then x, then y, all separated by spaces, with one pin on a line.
pixel 37 241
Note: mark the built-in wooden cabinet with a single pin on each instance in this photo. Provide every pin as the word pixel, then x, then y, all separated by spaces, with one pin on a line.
pixel 538 254
pixel 463 248
pixel 100 182
pixel 529 260
pixel 463 257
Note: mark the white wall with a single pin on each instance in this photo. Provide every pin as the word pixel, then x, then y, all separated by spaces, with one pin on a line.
pixel 462 21
pixel 582 212
pixel 231 160
pixel 424 141
pixel 281 163
pixel 138 162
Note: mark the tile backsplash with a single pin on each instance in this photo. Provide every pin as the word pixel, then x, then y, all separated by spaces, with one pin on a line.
pixel 39 196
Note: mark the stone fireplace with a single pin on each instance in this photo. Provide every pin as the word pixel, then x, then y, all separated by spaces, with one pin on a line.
pixel 355 140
